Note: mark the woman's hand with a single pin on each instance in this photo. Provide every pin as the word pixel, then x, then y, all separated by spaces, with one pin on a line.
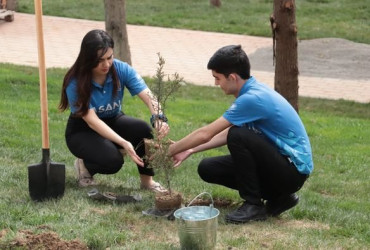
pixel 131 152
pixel 162 127
pixel 182 156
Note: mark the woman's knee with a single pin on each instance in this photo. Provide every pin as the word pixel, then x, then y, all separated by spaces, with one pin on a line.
pixel 144 129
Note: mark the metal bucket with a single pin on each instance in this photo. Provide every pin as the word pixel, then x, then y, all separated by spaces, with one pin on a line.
pixel 197 225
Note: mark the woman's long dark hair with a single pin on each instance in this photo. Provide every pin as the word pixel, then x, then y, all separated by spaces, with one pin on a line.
pixel 94 45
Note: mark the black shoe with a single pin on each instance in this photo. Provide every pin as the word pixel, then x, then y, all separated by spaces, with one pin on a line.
pixel 247 212
pixel 276 207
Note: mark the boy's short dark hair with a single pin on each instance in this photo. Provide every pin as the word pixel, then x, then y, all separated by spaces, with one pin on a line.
pixel 230 59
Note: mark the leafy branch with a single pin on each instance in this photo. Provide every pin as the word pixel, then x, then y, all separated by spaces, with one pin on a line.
pixel 157 148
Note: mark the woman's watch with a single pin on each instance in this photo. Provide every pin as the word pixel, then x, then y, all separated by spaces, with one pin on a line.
pixel 161 117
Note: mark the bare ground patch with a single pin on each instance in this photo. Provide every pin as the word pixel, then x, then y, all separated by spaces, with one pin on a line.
pixel 26 239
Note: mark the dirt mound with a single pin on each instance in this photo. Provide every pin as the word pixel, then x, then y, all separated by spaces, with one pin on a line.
pixel 218 203
pixel 45 241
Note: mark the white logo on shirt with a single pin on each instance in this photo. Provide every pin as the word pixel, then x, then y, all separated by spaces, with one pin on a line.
pixel 109 107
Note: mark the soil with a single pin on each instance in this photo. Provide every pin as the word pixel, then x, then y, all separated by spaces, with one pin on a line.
pixel 47 241
pixel 168 201
pixel 324 57
pixel 218 203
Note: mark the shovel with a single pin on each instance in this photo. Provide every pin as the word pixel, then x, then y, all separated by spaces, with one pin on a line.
pixel 46 179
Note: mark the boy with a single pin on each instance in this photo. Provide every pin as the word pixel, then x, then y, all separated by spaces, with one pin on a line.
pixel 270 153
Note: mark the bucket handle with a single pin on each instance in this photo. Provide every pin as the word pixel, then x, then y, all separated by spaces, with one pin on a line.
pixel 201 195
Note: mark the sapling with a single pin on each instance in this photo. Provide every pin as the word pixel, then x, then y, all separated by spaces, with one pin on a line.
pixel 163 89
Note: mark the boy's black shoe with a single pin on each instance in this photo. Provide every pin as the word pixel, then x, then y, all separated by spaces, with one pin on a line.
pixel 247 212
pixel 276 207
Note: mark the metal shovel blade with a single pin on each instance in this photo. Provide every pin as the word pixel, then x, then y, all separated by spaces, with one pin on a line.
pixel 46 180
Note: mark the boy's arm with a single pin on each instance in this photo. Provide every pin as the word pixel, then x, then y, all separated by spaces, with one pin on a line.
pixel 217 141
pixel 203 136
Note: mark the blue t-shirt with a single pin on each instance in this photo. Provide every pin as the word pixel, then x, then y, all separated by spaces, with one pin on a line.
pixel 102 100
pixel 262 109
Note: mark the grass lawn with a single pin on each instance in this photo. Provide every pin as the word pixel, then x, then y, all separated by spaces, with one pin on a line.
pixel 315 18
pixel 334 211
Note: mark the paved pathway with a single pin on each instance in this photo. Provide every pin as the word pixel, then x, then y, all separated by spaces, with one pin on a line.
pixel 186 52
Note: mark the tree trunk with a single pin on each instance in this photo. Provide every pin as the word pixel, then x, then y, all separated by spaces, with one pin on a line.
pixel 216 3
pixel 284 30
pixel 115 25
pixel 9 4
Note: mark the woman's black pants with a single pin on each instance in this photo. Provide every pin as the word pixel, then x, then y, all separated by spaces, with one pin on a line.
pixel 101 155
pixel 254 167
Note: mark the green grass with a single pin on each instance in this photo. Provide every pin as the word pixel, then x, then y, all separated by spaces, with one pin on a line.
pixel 335 203
pixel 315 18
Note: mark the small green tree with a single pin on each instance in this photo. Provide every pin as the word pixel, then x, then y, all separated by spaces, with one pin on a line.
pixel 157 148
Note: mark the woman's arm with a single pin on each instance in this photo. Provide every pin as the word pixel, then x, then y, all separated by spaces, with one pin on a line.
pixel 150 101
pixel 155 109
pixel 105 131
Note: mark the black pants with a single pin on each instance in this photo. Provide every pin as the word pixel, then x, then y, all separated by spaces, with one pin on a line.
pixel 101 155
pixel 255 168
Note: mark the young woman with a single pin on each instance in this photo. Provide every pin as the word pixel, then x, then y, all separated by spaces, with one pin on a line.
pixel 98 132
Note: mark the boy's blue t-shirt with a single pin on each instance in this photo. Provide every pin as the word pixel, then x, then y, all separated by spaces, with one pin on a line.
pixel 261 108
pixel 102 100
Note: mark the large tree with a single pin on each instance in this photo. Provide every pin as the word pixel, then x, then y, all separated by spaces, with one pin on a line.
pixel 216 3
pixel 284 30
pixel 9 4
pixel 115 25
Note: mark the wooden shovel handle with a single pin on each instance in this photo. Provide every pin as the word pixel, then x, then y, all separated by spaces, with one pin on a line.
pixel 42 75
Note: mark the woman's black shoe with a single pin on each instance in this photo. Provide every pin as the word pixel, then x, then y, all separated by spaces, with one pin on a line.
pixel 247 212
pixel 276 207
